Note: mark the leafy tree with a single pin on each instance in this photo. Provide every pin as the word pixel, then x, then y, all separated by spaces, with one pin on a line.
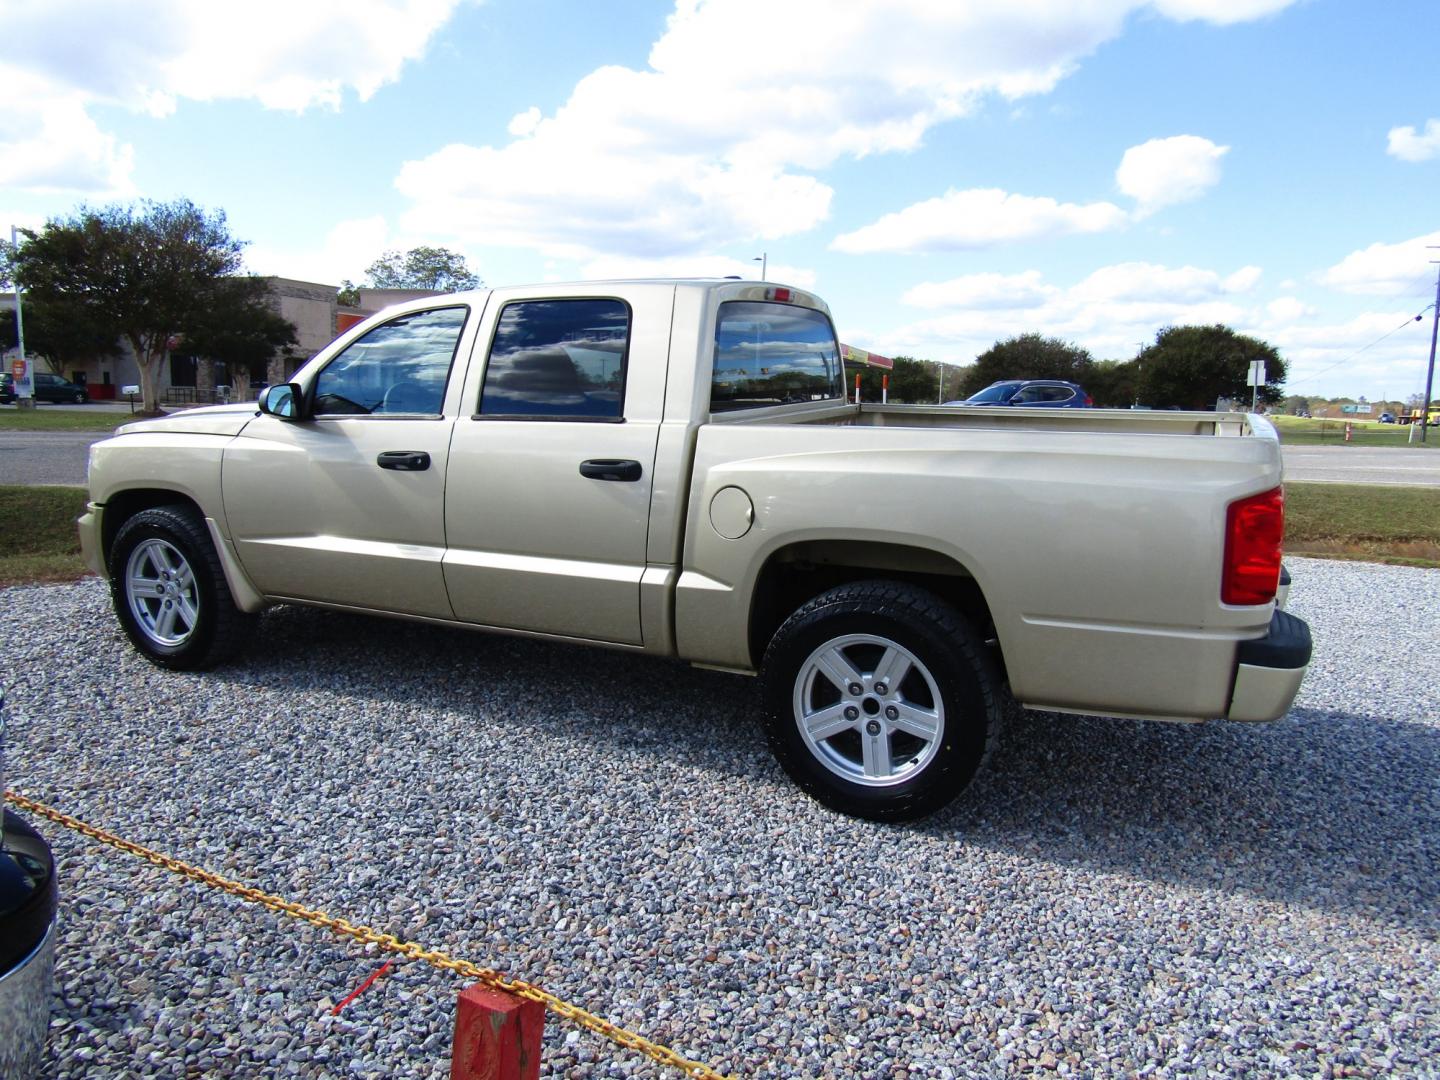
pixel 422 267
pixel 349 294
pixel 1113 384
pixel 1294 405
pixel 1027 356
pixel 912 382
pixel 1192 366
pixel 67 335
pixel 243 331
pixel 149 273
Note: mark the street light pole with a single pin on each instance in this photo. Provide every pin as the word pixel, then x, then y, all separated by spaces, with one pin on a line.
pixel 25 395
pixel 762 259
pixel 1430 374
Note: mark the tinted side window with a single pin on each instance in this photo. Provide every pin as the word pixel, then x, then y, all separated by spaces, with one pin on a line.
pixel 560 358
pixel 400 367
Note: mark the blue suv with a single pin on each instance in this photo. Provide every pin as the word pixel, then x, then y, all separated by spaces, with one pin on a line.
pixel 1032 394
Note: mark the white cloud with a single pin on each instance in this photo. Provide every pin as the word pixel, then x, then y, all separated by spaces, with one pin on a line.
pixel 53 145
pixel 1220 11
pixel 716 141
pixel 1109 312
pixel 1166 171
pixel 1288 309
pixel 64 57
pixel 981 218
pixel 982 291
pixel 1408 145
pixel 346 251
pixel 1384 269
pixel 1147 282
pixel 683 266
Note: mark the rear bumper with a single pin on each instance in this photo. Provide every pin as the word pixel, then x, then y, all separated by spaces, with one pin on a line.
pixel 1270 669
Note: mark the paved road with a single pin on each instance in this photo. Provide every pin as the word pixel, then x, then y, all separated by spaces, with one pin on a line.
pixel 1364 464
pixel 58 457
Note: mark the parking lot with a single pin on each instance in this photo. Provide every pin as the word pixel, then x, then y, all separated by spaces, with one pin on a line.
pixel 1113 898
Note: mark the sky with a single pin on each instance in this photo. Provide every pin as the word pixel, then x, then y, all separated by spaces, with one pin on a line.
pixel 944 173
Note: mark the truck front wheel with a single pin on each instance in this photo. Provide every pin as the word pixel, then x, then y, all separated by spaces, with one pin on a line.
pixel 880 701
pixel 170 592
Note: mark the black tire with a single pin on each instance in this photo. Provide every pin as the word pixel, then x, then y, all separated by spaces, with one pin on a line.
pixel 868 767
pixel 170 593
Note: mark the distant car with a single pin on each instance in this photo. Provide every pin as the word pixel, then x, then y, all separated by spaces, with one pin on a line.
pixel 59 391
pixel 1387 418
pixel 1031 393
pixel 7 388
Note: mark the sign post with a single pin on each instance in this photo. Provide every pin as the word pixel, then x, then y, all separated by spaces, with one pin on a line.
pixel 1255 381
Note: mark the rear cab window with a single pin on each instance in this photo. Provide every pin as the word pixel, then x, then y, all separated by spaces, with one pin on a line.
pixel 773 354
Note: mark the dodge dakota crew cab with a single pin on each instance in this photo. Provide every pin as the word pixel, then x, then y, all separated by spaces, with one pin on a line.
pixel 672 467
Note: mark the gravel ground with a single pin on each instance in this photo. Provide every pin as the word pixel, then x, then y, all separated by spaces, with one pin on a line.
pixel 1111 898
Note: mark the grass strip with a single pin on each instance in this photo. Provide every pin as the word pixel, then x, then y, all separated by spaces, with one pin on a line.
pixel 1300 431
pixel 38 538
pixel 1372 522
pixel 43 419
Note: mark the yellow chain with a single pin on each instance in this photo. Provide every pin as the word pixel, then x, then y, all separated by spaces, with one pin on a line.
pixel 494 979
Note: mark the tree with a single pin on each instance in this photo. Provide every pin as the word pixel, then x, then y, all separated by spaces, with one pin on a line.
pixel 67 335
pixel 149 273
pixel 912 381
pixel 1113 384
pixel 1296 405
pixel 1027 356
pixel 243 331
pixel 438 269
pixel 1193 366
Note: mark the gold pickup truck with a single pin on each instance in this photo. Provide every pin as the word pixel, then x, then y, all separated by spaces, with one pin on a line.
pixel 672 467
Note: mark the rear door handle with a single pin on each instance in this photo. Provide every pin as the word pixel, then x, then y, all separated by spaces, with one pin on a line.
pixel 611 469
pixel 404 460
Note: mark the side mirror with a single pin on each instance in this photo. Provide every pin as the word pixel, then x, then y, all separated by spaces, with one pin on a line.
pixel 282 401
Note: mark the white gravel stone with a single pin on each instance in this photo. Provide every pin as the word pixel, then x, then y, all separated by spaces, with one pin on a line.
pixel 1112 898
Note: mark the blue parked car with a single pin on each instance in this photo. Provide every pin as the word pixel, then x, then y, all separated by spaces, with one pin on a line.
pixel 1031 393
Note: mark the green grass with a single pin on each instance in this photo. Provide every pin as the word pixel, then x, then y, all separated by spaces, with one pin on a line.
pixel 1297 431
pixel 42 419
pixel 1364 521
pixel 38 538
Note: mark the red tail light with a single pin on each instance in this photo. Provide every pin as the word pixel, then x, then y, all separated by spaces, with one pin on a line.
pixel 1089 402
pixel 1254 531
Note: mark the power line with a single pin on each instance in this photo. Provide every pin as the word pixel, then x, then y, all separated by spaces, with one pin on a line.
pixel 1345 360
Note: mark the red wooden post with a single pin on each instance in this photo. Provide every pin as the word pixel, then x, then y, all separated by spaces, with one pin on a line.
pixel 497 1036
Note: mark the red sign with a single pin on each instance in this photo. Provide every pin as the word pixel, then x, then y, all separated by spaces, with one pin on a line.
pixel 852 355
pixel 17 368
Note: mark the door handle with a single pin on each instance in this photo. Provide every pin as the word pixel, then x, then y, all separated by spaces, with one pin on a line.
pixel 404 460
pixel 611 469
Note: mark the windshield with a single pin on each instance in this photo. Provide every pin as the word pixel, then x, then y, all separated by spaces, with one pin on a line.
pixel 995 392
pixel 770 354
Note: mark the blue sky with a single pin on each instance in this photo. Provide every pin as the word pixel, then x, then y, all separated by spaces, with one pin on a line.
pixel 945 174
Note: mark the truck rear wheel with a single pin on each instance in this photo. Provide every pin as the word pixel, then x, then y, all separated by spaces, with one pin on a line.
pixel 170 592
pixel 880 701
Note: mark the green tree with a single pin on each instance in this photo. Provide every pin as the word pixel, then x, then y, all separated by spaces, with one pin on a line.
pixel 1113 384
pixel 65 335
pixel 1193 366
pixel 1294 405
pixel 1027 356
pixel 434 268
pixel 149 272
pixel 243 331
pixel 912 382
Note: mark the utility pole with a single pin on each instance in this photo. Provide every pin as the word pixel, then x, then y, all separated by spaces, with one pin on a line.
pixel 1430 374
pixel 24 385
